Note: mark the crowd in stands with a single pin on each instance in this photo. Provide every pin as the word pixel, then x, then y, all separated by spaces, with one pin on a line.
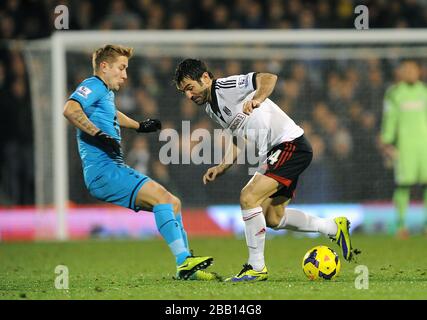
pixel 29 19
pixel 339 104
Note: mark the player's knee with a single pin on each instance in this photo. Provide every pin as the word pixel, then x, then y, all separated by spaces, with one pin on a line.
pixel 176 204
pixel 247 199
pixel 162 196
pixel 166 198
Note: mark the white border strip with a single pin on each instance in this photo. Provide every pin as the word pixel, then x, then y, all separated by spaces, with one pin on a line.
pixel 329 36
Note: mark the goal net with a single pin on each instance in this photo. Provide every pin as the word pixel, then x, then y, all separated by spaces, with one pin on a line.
pixel 330 82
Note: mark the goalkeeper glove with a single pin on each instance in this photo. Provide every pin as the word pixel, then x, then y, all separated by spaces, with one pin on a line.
pixel 149 125
pixel 108 141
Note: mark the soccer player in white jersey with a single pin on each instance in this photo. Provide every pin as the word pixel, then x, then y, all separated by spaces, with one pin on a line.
pixel 240 104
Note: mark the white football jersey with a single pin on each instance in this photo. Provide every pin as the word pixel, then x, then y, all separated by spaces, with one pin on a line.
pixel 267 126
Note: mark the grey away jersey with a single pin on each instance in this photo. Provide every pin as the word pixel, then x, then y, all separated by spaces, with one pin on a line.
pixel 267 126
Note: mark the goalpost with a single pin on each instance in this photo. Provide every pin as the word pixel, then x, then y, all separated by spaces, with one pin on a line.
pixel 49 69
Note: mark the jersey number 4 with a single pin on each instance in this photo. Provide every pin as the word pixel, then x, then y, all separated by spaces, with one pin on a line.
pixel 274 157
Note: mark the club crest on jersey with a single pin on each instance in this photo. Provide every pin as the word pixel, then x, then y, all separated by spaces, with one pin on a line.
pixel 243 81
pixel 237 122
pixel 83 91
pixel 227 111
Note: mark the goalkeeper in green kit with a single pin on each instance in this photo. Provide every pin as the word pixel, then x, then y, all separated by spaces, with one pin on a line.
pixel 404 138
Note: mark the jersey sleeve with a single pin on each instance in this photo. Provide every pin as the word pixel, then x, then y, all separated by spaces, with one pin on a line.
pixel 87 93
pixel 242 84
pixel 390 118
pixel 247 82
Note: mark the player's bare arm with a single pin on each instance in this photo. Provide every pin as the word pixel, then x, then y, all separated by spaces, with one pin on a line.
pixel 126 122
pixel 75 114
pixel 149 125
pixel 265 83
pixel 229 158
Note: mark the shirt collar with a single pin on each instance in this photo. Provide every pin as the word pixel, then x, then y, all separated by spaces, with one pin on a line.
pixel 102 82
pixel 214 102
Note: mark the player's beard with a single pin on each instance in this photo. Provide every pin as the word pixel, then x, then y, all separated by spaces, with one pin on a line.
pixel 202 98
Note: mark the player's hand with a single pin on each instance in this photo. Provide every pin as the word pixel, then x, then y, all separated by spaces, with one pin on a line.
pixel 250 105
pixel 390 154
pixel 149 125
pixel 212 173
pixel 389 151
pixel 108 141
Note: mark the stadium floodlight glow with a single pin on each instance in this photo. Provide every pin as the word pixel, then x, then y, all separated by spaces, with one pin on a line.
pixel 48 73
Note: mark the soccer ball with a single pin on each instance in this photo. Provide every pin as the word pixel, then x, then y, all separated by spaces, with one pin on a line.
pixel 321 262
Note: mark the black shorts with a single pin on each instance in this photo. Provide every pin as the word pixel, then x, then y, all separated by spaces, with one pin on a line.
pixel 286 161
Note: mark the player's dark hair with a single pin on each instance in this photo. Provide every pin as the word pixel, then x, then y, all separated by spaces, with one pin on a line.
pixel 192 69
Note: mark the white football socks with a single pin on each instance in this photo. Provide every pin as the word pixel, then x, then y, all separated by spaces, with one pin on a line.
pixel 255 228
pixel 297 220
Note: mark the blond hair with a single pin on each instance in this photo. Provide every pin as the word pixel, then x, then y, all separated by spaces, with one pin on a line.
pixel 109 53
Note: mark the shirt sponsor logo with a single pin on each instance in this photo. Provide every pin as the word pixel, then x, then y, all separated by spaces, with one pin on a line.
pixel 413 105
pixel 237 122
pixel 83 91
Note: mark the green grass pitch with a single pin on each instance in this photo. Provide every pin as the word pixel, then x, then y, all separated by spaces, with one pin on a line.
pixel 143 270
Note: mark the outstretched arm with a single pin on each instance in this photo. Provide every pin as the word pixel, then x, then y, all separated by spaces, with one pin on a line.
pixel 149 125
pixel 126 122
pixel 265 83
pixel 230 157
